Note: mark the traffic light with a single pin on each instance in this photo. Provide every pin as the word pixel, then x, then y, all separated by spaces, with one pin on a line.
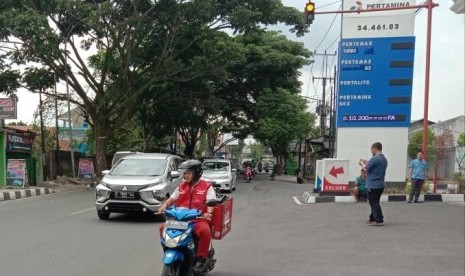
pixel 309 12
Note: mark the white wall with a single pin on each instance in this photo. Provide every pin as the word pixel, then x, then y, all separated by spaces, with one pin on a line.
pixel 355 144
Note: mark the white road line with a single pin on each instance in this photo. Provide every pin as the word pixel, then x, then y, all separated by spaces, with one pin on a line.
pixel 82 211
pixel 297 201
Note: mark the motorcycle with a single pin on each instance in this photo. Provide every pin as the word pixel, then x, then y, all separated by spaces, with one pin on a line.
pixel 179 243
pixel 260 167
pixel 248 174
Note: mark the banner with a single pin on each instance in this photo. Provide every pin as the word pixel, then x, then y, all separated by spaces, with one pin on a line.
pixel 16 173
pixel 86 168
pixel 20 142
pixel 8 108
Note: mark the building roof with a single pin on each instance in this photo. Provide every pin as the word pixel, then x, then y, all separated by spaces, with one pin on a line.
pixel 421 120
pixel 458 6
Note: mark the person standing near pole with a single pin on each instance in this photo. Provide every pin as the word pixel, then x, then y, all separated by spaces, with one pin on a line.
pixel 417 170
pixel 376 172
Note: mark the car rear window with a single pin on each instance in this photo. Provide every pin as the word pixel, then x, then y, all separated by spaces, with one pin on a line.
pixel 140 167
pixel 218 166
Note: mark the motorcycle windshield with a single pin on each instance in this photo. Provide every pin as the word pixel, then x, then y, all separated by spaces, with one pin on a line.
pixel 182 214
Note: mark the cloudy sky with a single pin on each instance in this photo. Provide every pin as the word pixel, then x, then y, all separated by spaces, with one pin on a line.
pixel 447 88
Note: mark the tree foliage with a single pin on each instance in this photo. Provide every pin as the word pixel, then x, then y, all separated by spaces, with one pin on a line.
pixel 111 52
pixel 444 144
pixel 461 140
pixel 282 119
pixel 415 145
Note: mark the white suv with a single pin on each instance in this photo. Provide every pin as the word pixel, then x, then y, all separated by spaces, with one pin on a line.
pixel 137 183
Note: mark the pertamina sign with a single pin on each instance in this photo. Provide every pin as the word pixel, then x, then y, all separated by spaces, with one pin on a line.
pixel 390 23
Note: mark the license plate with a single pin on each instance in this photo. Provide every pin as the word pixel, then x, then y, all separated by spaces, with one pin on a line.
pixel 124 195
pixel 174 224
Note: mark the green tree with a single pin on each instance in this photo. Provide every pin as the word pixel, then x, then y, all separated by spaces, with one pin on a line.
pixel 261 62
pixel 461 140
pixel 133 45
pixel 444 144
pixel 257 151
pixel 415 145
pixel 282 118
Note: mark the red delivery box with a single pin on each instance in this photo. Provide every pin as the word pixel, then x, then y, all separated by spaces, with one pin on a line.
pixel 222 218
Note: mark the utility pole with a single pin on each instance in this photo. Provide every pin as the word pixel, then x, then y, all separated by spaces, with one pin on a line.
pixel 332 123
pixel 322 109
pixel 57 139
pixel 42 136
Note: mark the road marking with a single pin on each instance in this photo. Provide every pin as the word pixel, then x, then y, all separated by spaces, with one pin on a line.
pixel 297 201
pixel 82 211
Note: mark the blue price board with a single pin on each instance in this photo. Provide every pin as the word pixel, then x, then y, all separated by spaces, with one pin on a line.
pixel 375 82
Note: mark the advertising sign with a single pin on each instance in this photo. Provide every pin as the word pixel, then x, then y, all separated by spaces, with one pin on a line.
pixel 335 175
pixel 390 23
pixel 86 168
pixel 359 5
pixel 8 108
pixel 20 142
pixel 16 173
pixel 375 82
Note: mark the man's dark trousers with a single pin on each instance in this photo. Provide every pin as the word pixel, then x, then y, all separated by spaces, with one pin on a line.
pixel 374 195
pixel 415 189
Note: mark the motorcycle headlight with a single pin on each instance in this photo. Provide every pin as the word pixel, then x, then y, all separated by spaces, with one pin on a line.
pixel 185 234
pixel 171 243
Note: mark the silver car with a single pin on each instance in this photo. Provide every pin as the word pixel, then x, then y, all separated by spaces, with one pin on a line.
pixel 137 183
pixel 221 173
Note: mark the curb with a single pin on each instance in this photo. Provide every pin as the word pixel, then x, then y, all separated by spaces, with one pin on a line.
pixel 19 194
pixel 310 198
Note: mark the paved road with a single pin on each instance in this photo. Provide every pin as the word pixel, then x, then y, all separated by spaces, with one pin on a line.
pixel 60 235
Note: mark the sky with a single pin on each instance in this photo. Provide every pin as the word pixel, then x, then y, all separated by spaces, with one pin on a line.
pixel 447 89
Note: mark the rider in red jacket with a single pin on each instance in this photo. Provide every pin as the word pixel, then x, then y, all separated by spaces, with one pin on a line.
pixel 193 193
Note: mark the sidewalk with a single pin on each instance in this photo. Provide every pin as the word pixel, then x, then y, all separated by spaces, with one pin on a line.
pixel 309 197
pixel 289 179
pixel 47 187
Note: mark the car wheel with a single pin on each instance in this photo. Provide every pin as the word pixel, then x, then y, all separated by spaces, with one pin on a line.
pixel 103 215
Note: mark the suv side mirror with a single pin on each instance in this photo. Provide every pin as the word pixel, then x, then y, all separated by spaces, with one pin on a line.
pixel 175 174
pixel 105 172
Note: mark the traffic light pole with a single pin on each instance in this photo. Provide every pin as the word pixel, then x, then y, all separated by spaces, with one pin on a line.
pixel 430 6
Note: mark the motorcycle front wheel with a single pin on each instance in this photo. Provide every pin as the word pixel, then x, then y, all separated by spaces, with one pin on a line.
pixel 172 269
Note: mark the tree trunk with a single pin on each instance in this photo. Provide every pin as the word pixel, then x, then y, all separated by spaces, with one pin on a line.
pixel 100 152
pixel 211 142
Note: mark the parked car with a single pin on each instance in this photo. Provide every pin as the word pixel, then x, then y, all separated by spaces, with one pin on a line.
pixel 221 173
pixel 137 183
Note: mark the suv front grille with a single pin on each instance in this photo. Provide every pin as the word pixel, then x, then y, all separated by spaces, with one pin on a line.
pixel 125 207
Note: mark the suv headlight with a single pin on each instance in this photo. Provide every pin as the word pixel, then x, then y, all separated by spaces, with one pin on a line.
pixel 102 192
pixel 158 194
pixel 153 195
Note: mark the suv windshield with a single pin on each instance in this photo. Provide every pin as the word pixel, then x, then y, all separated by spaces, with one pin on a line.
pixel 139 167
pixel 215 166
